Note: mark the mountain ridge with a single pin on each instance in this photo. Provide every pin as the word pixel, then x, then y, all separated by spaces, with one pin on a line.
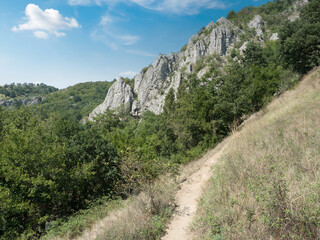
pixel 153 83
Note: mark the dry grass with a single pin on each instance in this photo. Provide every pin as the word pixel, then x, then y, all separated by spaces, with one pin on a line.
pixel 146 216
pixel 266 185
pixel 143 217
pixel 139 217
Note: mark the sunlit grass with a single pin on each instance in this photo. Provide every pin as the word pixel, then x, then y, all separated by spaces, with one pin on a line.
pixel 266 185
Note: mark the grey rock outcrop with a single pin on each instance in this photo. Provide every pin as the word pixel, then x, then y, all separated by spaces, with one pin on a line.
pixel 217 39
pixel 295 13
pixel 274 37
pixel 257 23
pixel 152 85
pixel 119 94
pixel 244 46
pixel 25 101
pixel 165 73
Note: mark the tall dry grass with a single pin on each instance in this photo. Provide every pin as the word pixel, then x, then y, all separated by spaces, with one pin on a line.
pixel 144 217
pixel 267 184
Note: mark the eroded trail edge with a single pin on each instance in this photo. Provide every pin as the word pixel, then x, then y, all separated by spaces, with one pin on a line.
pixel 189 194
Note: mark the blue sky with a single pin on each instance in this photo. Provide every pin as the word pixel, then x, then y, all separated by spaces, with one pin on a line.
pixel 64 42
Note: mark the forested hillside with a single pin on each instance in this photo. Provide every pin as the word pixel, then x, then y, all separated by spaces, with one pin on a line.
pixel 76 101
pixel 52 165
pixel 25 90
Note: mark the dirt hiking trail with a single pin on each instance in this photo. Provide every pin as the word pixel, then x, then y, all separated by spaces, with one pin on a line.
pixel 189 194
pixel 193 179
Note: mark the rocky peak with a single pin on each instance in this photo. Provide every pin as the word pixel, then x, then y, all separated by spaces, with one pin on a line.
pixel 119 94
pixel 152 84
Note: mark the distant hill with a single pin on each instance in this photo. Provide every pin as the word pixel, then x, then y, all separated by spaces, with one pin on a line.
pixel 73 102
pixel 25 90
pixel 76 101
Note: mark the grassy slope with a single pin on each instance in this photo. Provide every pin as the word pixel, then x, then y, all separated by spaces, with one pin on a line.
pixel 266 185
pixel 141 216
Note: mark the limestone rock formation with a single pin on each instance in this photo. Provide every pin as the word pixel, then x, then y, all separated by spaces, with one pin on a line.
pixel 274 37
pixel 26 101
pixel 297 5
pixel 119 94
pixel 257 23
pixel 152 84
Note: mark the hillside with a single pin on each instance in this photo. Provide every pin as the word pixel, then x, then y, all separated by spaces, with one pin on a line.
pixel 263 184
pixel 150 127
pixel 214 46
pixel 266 183
pixel 25 90
pixel 15 95
pixel 76 101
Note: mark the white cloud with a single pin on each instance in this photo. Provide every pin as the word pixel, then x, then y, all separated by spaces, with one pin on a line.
pixel 141 53
pixel 182 7
pixel 41 34
pixel 111 35
pixel 125 39
pixel 79 2
pixel 44 23
pixel 129 74
pixel 105 20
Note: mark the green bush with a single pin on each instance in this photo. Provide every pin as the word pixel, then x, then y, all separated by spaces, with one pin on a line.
pixel 300 43
pixel 184 48
pixel 49 168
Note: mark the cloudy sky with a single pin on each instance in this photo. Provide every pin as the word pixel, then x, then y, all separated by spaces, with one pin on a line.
pixel 64 42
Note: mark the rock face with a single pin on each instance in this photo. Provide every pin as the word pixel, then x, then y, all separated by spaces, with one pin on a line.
pixel 297 5
pixel 216 38
pixel 119 94
pixel 152 85
pixel 274 37
pixel 257 23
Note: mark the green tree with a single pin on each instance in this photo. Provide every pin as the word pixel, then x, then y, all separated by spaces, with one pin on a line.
pixel 300 42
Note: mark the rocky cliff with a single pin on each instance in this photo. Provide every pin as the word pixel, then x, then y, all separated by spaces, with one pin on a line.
pixel 152 84
pixel 119 94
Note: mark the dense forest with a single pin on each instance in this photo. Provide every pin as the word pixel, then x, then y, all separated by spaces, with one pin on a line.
pixel 52 165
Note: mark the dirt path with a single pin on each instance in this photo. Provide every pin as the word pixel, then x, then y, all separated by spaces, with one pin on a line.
pixel 189 194
pixel 192 181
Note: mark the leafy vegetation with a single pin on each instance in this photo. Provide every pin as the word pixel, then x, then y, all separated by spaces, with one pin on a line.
pixel 300 39
pixel 145 69
pixel 49 162
pixel 184 48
